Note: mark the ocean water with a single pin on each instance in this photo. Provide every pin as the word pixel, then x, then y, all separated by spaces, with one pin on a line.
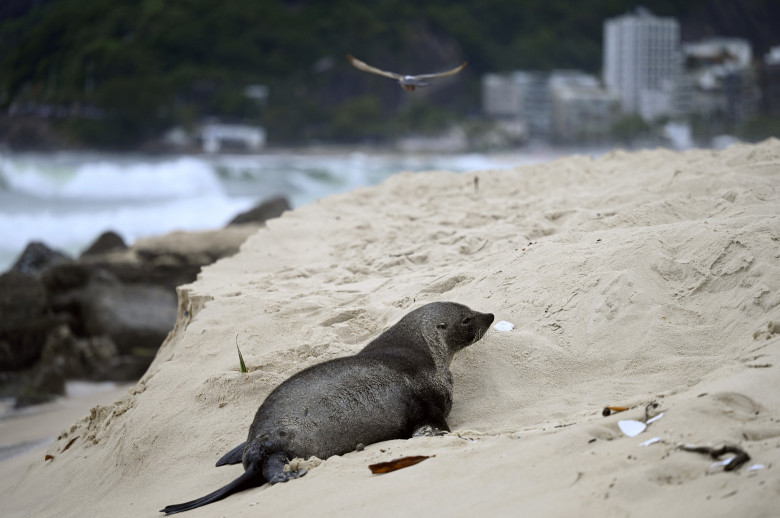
pixel 67 200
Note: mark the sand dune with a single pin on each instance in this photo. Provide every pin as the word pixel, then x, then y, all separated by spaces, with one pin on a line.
pixel 630 278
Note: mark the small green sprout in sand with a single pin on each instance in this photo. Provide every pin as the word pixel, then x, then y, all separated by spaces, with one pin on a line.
pixel 241 358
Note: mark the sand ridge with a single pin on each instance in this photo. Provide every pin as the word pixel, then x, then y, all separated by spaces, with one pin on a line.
pixel 652 275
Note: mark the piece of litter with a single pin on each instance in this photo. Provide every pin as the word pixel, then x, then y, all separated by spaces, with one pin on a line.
pixel 396 464
pixel 650 441
pixel 731 464
pixel 724 462
pixel 504 326
pixel 648 407
pixel 613 410
pixel 756 467
pixel 656 418
pixel 631 427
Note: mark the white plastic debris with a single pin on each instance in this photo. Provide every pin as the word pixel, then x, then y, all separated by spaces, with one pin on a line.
pixel 756 467
pixel 631 428
pixel 651 441
pixel 504 326
pixel 656 418
pixel 722 463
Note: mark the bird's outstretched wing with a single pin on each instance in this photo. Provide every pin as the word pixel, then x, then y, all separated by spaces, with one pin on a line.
pixel 447 73
pixel 368 68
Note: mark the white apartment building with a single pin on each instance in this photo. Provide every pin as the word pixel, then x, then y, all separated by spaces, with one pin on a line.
pixel 723 76
pixel 502 96
pixel 581 109
pixel 518 96
pixel 642 61
pixel 566 105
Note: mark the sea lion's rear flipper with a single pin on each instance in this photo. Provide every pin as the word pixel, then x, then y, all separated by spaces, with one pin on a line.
pixel 251 477
pixel 234 456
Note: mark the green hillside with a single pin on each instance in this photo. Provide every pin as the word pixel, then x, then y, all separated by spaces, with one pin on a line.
pixel 148 65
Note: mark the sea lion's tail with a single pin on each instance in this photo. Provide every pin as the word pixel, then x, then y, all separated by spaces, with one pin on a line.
pixel 251 477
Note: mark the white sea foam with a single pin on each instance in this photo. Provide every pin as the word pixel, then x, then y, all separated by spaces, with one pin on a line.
pixel 103 179
pixel 75 230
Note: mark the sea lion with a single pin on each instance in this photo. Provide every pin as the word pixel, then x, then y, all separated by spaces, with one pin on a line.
pixel 397 386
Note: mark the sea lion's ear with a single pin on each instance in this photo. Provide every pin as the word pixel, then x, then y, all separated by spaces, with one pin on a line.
pixel 441 325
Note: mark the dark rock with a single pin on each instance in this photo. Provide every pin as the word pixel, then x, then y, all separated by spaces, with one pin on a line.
pixel 48 379
pixel 37 256
pixel 80 358
pixel 127 268
pixel 168 269
pixel 22 296
pixel 44 383
pixel 129 367
pixel 133 316
pixel 101 317
pixel 65 277
pixel 265 210
pixel 107 242
pixel 173 259
pixel 25 320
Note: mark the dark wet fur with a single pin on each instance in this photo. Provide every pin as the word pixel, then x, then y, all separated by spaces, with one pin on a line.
pixel 398 384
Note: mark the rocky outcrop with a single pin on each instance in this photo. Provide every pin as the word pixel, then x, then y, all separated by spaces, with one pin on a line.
pixel 107 242
pixel 25 320
pixel 102 316
pixel 133 316
pixel 265 210
pixel 37 257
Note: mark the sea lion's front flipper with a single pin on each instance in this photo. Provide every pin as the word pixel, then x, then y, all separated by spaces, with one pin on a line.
pixel 234 456
pixel 251 477
pixel 273 469
pixel 430 430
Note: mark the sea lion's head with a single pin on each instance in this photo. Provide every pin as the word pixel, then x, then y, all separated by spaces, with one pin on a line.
pixel 462 326
pixel 449 327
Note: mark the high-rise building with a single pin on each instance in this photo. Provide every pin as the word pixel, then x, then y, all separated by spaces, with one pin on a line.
pixel 641 60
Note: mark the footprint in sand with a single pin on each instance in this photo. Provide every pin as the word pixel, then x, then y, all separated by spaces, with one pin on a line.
pixel 341 317
pixel 445 285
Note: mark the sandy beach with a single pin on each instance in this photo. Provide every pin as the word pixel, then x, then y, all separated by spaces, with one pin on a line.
pixel 642 277
pixel 25 434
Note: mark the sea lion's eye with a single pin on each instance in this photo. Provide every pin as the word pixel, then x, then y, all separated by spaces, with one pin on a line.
pixel 466 321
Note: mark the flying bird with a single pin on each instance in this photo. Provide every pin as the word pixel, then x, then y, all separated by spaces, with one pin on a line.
pixel 407 82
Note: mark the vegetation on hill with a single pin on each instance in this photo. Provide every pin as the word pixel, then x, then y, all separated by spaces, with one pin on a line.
pixel 148 65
